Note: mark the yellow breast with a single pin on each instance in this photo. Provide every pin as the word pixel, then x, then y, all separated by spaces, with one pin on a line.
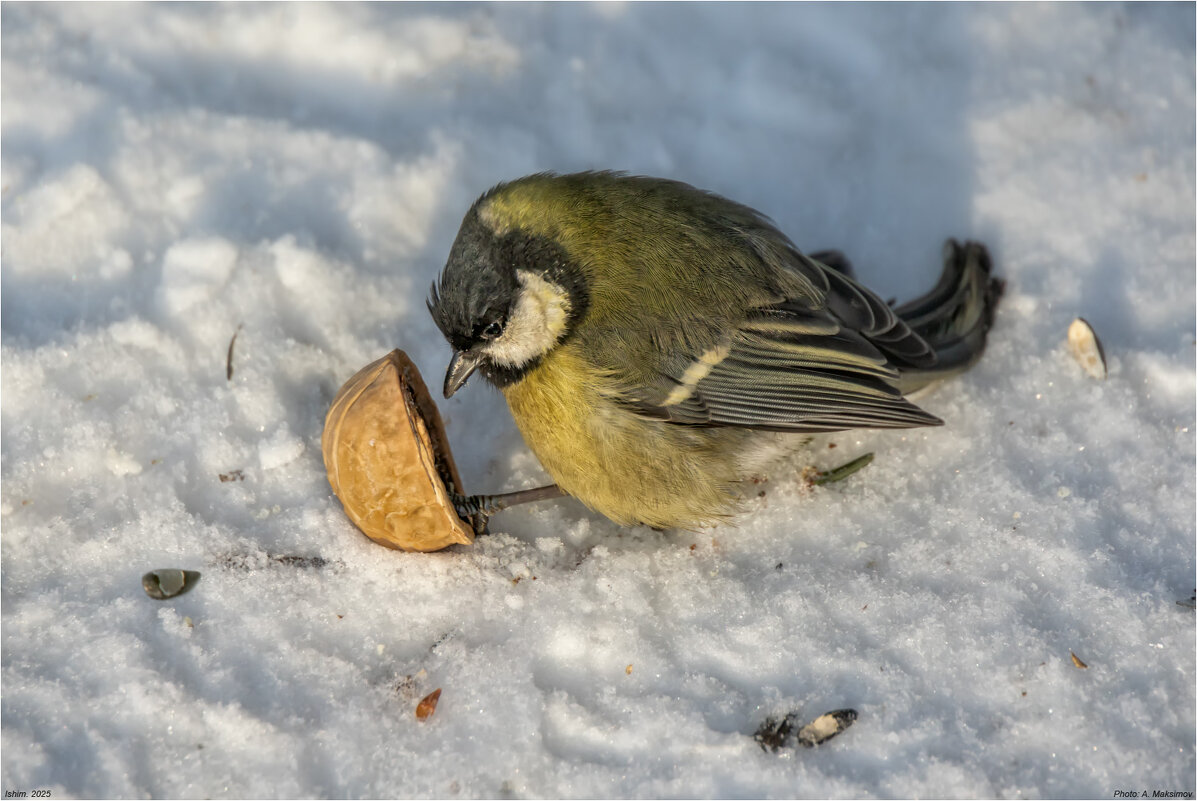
pixel 630 468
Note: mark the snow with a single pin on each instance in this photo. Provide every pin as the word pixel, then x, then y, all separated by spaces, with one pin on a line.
pixel 295 173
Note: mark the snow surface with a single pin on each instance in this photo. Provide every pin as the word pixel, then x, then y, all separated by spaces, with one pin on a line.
pixel 175 173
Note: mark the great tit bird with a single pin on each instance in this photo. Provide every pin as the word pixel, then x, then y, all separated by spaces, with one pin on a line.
pixel 645 332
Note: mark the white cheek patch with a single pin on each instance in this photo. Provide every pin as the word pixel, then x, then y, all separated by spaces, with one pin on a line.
pixel 535 325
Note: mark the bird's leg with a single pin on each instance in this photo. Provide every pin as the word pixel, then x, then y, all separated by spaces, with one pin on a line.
pixel 489 504
pixel 479 508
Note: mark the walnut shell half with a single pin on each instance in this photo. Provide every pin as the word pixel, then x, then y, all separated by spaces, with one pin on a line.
pixel 388 459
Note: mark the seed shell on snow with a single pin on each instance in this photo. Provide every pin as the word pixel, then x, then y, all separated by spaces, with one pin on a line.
pixel 774 734
pixel 824 727
pixel 427 704
pixel 1086 348
pixel 169 582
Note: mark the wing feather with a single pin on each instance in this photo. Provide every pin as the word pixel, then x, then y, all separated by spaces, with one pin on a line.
pixel 801 364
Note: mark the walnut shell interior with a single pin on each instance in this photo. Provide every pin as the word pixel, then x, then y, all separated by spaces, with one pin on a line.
pixel 388 459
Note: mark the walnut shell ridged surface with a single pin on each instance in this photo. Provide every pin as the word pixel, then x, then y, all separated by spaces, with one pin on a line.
pixel 388 459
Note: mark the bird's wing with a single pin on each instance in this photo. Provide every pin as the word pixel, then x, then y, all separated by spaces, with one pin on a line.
pixel 800 364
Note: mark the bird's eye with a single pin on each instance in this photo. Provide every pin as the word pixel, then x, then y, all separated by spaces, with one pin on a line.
pixel 493 330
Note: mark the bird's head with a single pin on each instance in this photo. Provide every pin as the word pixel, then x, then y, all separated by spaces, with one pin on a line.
pixel 509 293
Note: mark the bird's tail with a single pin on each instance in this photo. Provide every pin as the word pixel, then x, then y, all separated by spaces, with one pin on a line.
pixel 954 317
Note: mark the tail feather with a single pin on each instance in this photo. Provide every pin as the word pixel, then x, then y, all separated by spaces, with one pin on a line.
pixel 954 317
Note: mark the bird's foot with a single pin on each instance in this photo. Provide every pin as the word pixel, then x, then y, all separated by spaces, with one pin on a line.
pixel 478 508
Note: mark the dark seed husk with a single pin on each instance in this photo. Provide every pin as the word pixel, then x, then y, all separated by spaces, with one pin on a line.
pixel 169 582
pixel 775 734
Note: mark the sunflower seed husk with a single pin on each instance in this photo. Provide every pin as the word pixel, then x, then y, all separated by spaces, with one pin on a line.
pixel 824 727
pixel 1086 348
pixel 776 734
pixel 169 582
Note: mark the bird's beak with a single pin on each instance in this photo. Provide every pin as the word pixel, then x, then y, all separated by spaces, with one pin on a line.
pixel 464 363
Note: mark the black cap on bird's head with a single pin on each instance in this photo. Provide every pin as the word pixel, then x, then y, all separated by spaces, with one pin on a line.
pixel 504 299
pixel 472 298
